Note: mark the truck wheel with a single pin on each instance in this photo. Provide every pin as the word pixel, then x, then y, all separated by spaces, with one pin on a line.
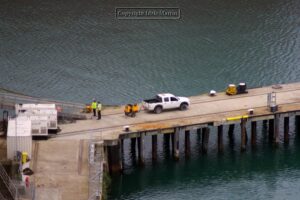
pixel 158 109
pixel 183 106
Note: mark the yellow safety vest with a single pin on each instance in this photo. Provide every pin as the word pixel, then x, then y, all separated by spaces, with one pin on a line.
pixel 94 105
pixel 99 106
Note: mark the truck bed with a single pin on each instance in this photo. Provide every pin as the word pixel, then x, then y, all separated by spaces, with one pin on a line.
pixel 152 101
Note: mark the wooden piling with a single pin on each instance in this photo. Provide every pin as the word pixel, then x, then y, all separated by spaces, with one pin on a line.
pixel 187 143
pixel 286 129
pixel 141 148
pixel 175 144
pixel 243 134
pixel 253 133
pixel 271 129
pixel 154 147
pixel 276 129
pixel 114 158
pixel 220 138
pixel 205 139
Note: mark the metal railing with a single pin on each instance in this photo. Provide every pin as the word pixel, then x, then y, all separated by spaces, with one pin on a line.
pixel 12 189
pixel 8 101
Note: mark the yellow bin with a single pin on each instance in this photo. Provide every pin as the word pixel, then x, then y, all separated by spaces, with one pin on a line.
pixel 24 157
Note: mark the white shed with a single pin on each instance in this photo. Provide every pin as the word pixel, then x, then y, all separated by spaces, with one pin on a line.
pixel 19 136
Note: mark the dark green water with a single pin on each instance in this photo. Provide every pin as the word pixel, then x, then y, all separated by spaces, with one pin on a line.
pixel 75 50
pixel 264 172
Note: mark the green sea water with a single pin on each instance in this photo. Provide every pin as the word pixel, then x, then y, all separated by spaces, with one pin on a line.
pixel 76 50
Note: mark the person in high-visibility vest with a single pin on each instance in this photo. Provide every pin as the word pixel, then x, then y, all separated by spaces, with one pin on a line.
pixel 94 107
pixel 99 107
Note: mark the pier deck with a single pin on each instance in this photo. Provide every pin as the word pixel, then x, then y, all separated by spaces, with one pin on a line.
pixel 53 168
pixel 203 110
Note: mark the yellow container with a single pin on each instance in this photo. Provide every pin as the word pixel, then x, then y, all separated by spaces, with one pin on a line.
pixel 24 157
pixel 231 90
pixel 135 108
pixel 128 108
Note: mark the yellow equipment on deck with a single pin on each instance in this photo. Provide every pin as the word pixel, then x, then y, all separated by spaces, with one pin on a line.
pixel 231 89
pixel 131 110
pixel 88 108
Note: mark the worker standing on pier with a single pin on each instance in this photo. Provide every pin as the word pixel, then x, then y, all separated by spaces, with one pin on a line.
pixel 94 107
pixel 99 107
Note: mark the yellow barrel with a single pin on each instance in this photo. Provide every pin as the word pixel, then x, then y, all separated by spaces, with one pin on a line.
pixel 24 157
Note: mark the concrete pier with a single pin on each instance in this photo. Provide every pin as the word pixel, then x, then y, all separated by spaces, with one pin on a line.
pixel 51 176
pixel 203 113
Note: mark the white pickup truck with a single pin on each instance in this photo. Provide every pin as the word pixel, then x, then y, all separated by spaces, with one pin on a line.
pixel 165 101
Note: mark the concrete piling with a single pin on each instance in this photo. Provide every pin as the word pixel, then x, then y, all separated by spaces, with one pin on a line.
pixel 286 129
pixel 166 144
pixel 220 138
pixel 297 123
pixel 187 143
pixel 154 147
pixel 175 144
pixel 133 144
pixel 253 133
pixel 205 139
pixel 231 130
pixel 231 135
pixel 141 149
pixel 243 134
pixel 199 133
pixel 276 129
pixel 271 129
